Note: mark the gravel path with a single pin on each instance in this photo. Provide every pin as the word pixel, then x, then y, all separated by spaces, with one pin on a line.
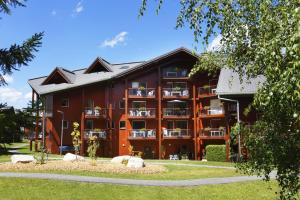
pixel 118 181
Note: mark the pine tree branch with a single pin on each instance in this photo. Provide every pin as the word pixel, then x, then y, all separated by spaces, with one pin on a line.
pixel 17 55
pixel 5 4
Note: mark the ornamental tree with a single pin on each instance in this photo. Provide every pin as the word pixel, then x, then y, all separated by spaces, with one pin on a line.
pixel 258 38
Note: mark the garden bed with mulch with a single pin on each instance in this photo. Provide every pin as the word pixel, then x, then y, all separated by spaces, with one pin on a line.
pixel 82 166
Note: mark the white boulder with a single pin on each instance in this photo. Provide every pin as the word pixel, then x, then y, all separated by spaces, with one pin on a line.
pixel 119 159
pixel 72 157
pixel 135 162
pixel 22 159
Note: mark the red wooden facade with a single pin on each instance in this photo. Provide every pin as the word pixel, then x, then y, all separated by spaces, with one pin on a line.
pixel 156 109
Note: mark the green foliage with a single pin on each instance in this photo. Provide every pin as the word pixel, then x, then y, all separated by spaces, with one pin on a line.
pixel 258 38
pixel 76 138
pixel 93 147
pixel 41 156
pixel 16 55
pixel 216 153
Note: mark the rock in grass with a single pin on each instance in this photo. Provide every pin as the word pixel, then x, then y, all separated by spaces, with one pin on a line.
pixel 119 159
pixel 135 162
pixel 22 159
pixel 72 157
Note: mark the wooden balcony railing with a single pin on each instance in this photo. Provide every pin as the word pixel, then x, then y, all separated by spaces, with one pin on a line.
pixel 175 92
pixel 100 133
pixel 212 111
pixel 94 112
pixel 208 90
pixel 213 132
pixel 142 134
pixel 176 112
pixel 141 112
pixel 177 132
pixel 141 92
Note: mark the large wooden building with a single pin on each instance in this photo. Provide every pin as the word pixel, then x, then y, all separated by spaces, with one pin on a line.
pixel 152 106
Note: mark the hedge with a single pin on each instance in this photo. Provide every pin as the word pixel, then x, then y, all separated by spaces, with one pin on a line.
pixel 216 153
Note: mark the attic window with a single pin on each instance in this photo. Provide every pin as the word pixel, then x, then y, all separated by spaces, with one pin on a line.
pixel 98 66
pixel 55 78
pixel 124 67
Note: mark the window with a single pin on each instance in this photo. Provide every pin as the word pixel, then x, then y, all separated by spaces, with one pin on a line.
pixel 65 124
pixel 139 104
pixel 49 105
pixel 122 104
pixel 177 124
pixel 89 124
pixel 65 102
pixel 112 124
pixel 138 125
pixel 138 84
pixel 122 125
pixel 90 104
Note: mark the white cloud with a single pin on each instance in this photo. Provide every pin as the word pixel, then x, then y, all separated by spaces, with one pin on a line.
pixel 53 13
pixel 28 95
pixel 215 44
pixel 13 97
pixel 8 78
pixel 78 7
pixel 118 39
pixel 10 94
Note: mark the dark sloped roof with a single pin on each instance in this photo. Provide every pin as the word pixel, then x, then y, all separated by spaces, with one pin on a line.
pixel 229 83
pixel 78 78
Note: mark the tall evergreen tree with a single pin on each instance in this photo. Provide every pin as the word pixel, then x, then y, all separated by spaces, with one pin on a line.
pixel 13 57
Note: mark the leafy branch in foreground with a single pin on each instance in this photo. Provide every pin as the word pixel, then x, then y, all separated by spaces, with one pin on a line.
pixel 259 38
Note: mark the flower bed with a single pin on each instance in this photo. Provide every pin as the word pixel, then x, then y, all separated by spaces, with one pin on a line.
pixel 82 166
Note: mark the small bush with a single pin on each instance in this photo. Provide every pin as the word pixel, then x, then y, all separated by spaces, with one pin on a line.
pixel 216 153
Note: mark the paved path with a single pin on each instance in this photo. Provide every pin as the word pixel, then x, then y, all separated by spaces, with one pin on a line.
pixel 190 165
pixel 118 181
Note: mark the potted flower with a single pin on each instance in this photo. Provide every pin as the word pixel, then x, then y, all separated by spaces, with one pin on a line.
pixel 222 128
pixel 141 88
pixel 176 88
pixel 207 129
pixel 97 110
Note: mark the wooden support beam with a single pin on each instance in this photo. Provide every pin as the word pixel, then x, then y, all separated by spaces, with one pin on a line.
pixel 159 113
pixel 36 138
pixel 82 120
pixel 195 122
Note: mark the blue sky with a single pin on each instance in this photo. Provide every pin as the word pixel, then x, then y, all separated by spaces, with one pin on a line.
pixel 76 32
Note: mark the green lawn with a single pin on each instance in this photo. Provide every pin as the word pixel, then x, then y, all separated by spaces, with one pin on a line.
pixel 15 188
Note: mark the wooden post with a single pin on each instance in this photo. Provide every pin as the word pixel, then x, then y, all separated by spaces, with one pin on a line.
pixel 36 124
pixel 195 122
pixel 82 152
pixel 82 120
pixel 159 113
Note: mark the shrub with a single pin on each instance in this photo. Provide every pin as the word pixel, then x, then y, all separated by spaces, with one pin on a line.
pixel 216 153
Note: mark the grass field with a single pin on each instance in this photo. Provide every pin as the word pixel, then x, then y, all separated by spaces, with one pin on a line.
pixel 13 188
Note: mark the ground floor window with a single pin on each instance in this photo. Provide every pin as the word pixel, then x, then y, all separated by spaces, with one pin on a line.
pixel 89 124
pixel 65 124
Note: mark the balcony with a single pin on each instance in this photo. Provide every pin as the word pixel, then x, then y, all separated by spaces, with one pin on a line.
pixel 142 134
pixel 176 74
pixel 100 133
pixel 176 133
pixel 176 113
pixel 140 93
pixel 213 133
pixel 211 112
pixel 95 112
pixel 137 113
pixel 207 91
pixel 169 93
